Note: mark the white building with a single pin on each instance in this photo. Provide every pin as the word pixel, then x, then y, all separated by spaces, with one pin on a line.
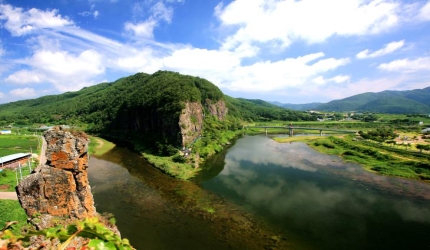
pixel 5 132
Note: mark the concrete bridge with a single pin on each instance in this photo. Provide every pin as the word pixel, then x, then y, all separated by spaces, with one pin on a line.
pixel 292 128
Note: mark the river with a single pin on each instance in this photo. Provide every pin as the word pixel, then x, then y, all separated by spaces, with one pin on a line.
pixel 260 194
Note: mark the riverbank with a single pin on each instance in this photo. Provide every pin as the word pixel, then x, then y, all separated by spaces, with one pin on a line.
pixel 373 157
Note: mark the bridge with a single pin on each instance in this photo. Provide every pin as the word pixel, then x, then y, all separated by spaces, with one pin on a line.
pixel 292 128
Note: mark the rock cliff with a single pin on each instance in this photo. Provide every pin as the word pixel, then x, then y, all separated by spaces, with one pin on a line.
pixel 60 188
pixel 192 117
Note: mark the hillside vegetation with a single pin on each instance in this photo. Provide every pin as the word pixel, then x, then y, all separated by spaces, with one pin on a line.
pixel 389 102
pixel 395 102
pixel 158 114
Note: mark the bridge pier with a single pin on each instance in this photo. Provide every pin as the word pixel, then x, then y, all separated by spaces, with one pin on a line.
pixel 266 131
pixel 320 132
pixel 291 131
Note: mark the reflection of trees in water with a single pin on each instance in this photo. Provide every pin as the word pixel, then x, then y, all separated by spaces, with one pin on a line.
pixel 337 204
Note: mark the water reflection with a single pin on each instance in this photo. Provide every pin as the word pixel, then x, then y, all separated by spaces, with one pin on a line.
pixel 320 198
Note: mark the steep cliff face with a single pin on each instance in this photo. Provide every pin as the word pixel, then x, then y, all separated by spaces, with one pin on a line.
pixel 217 109
pixel 60 187
pixel 192 118
pixel 191 122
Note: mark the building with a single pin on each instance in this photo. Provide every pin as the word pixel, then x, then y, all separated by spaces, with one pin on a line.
pixel 5 132
pixel 13 161
pixel 427 130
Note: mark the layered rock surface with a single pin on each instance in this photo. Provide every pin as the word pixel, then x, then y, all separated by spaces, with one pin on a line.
pixel 60 187
pixel 192 116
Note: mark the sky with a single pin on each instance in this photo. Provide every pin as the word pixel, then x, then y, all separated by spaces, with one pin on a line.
pixel 290 51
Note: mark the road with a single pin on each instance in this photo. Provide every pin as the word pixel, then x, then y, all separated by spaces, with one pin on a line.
pixel 8 196
pixel 42 157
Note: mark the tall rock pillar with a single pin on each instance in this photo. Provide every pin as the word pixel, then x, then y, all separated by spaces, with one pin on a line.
pixel 60 187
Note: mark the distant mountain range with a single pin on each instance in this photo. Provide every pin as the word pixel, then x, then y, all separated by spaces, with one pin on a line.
pixel 393 102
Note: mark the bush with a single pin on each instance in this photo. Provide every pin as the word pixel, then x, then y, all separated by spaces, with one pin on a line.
pixel 179 159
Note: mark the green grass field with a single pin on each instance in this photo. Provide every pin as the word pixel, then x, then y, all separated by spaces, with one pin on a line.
pixel 9 177
pixel 372 156
pixel 12 211
pixel 99 146
pixel 12 144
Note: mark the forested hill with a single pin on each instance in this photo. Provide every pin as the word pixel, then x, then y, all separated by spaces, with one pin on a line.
pixel 395 102
pixel 140 102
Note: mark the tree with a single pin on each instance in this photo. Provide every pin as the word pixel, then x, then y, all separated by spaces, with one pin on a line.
pixel 422 147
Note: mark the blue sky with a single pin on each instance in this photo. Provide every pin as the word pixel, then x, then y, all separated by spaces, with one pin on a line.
pixel 277 50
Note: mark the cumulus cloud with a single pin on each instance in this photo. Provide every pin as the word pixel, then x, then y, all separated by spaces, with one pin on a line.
pixel 24 77
pixel 66 71
pixel 313 21
pixel 407 65
pixel 279 75
pixel 387 49
pixel 23 93
pixel 197 60
pixel 20 22
pixel 142 60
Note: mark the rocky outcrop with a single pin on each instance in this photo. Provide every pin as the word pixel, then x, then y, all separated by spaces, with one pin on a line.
pixel 192 116
pixel 191 122
pixel 60 187
pixel 217 109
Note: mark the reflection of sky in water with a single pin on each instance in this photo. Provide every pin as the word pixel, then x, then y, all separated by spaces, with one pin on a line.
pixel 319 197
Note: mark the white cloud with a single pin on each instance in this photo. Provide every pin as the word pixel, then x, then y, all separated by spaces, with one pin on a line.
pixel 66 71
pixel 407 65
pixel 145 29
pixel 320 80
pixel 24 77
pixel 20 22
pixel 311 20
pixel 161 12
pixel 141 30
pixel 138 61
pixel 271 76
pixel 387 49
pixel 425 12
pixel 95 13
pixel 340 79
pixel 197 60
pixel 23 93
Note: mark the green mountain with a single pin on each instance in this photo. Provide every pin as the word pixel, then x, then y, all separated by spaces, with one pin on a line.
pixel 302 107
pixel 164 107
pixel 395 102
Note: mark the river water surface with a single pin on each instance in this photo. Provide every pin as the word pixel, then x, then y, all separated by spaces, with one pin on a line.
pixel 273 196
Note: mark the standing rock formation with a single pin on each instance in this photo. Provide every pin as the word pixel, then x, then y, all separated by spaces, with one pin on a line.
pixel 60 187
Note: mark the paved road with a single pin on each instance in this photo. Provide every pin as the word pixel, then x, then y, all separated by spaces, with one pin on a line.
pixel 8 196
pixel 42 157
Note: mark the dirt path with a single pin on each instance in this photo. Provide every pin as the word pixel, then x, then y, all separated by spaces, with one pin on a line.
pixel 8 196
pixel 100 143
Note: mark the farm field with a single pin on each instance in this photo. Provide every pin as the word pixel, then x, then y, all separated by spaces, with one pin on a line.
pixel 18 143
